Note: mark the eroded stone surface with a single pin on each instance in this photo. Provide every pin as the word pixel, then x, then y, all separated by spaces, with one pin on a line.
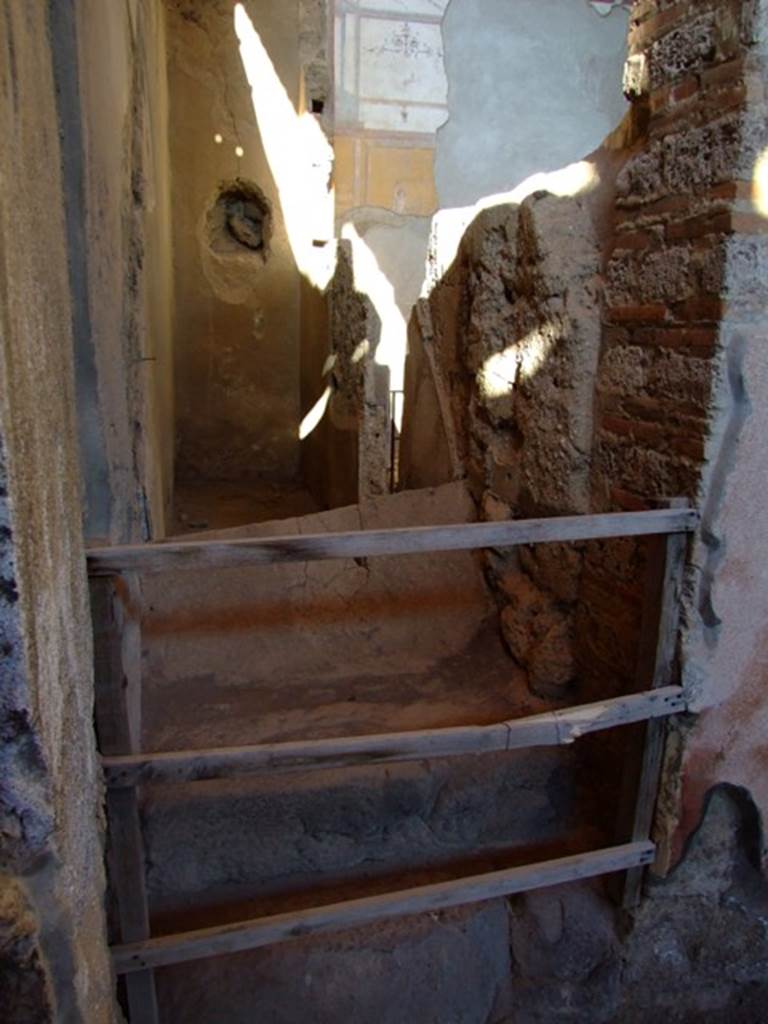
pixel 516 341
pixel 697 948
pixel 261 842
pixel 25 995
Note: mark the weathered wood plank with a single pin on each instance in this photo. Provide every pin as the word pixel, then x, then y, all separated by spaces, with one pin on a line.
pixel 127 863
pixel 111 721
pixel 266 931
pixel 548 729
pixel 656 667
pixel 399 541
pixel 117 644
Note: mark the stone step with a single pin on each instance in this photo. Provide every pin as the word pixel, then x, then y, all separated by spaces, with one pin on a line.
pixel 336 649
pixel 276 630
pixel 224 851
pixel 262 840
pixel 447 968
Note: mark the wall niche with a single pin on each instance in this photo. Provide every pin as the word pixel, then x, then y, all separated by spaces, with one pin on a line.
pixel 240 220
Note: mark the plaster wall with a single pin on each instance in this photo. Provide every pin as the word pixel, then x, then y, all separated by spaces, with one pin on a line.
pixel 725 655
pixel 53 956
pixel 492 91
pixel 727 663
pixel 109 66
pixel 237 311
pixel 532 86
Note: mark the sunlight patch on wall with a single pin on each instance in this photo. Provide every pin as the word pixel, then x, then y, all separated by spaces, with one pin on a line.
pixel 448 226
pixel 315 414
pixel 518 361
pixel 760 184
pixel 373 282
pixel 299 156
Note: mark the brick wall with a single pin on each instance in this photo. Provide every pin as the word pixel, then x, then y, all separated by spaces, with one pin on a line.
pixel 677 209
pixel 686 283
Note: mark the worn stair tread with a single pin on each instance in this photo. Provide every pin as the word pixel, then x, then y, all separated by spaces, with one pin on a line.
pixel 277 835
pixel 479 685
pixel 339 977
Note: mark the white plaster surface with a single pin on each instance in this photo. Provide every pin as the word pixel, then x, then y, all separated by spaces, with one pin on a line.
pixel 434 7
pixel 533 85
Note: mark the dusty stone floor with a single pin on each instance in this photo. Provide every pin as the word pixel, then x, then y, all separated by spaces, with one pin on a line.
pixel 478 685
pixel 221 504
pixel 438 969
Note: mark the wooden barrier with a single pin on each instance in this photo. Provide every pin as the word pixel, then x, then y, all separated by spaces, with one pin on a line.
pixel 220 554
pixel 125 769
pixel 552 728
pixel 266 931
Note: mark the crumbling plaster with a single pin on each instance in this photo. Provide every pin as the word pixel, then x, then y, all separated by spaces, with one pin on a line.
pixel 556 109
pixel 51 871
pixel 508 343
pixel 726 665
pixel 680 390
pixel 679 386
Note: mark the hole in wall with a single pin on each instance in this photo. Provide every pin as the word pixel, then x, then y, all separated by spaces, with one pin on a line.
pixel 318 106
pixel 240 220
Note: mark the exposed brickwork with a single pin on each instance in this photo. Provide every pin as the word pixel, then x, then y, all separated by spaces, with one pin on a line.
pixel 673 290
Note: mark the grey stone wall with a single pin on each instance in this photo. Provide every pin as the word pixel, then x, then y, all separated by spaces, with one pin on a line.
pixel 694 952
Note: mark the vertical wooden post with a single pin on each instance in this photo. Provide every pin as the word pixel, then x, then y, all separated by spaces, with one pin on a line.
pixel 115 607
pixel 656 667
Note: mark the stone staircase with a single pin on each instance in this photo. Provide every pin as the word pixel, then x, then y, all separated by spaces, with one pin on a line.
pixel 312 650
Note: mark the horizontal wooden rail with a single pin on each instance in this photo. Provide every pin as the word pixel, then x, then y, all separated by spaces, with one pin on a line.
pixel 399 541
pixel 267 931
pixel 549 729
